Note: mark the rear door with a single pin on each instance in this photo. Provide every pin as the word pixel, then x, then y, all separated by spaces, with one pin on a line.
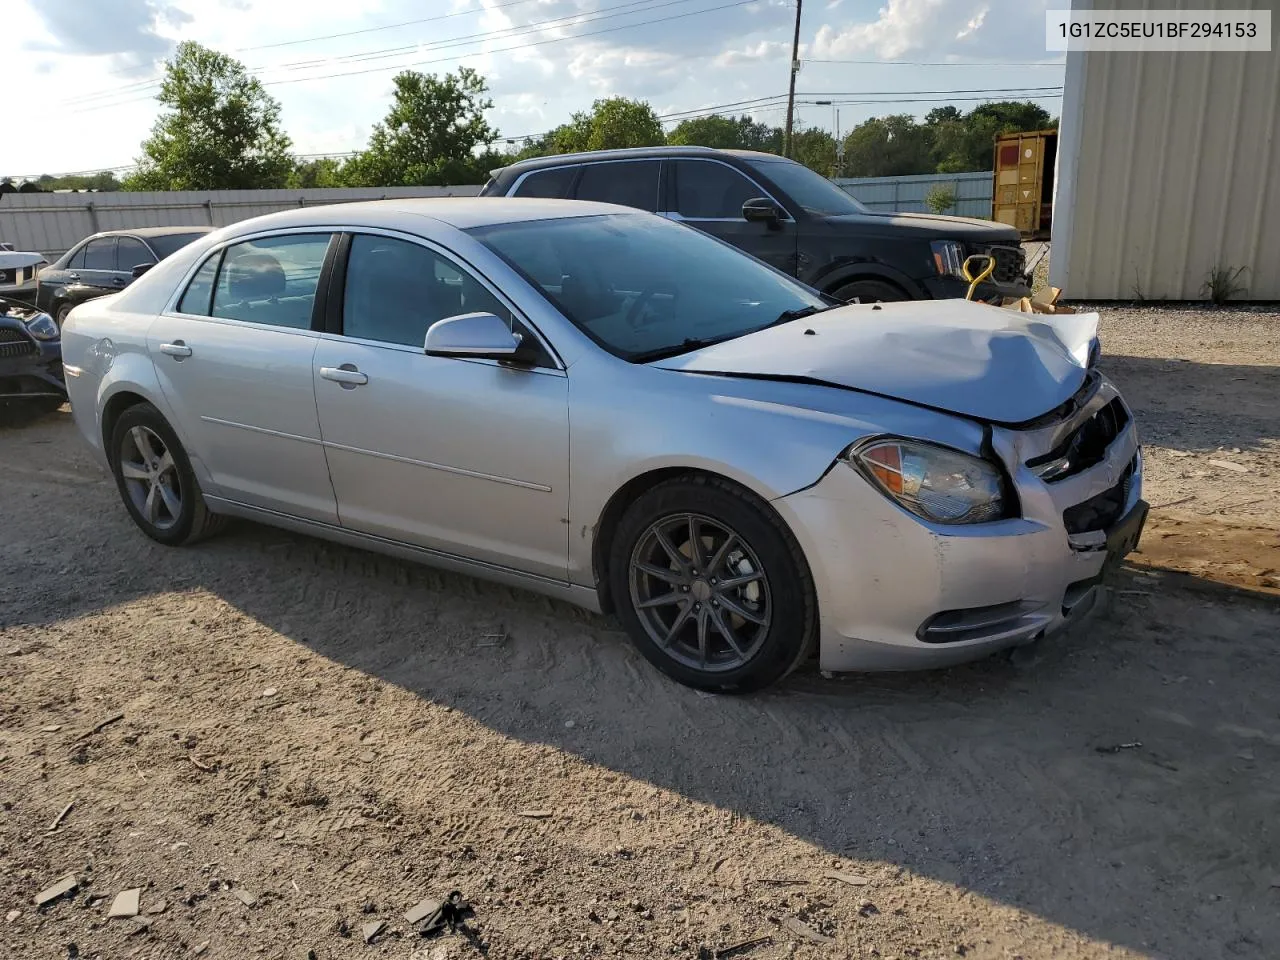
pixel 234 361
pixel 98 276
pixel 709 194
pixel 631 183
pixel 131 252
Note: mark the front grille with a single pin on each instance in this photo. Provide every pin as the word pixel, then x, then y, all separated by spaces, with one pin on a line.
pixel 1102 511
pixel 14 343
pixel 1085 448
pixel 1011 262
pixel 8 276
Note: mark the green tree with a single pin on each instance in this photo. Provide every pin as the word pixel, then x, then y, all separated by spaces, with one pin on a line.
pixel 618 122
pixel 430 136
pixel 221 130
pixel 323 172
pixel 727 133
pixel 816 149
pixel 893 146
pixel 967 142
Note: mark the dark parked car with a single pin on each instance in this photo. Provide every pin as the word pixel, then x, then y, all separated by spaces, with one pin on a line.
pixel 786 215
pixel 30 359
pixel 107 263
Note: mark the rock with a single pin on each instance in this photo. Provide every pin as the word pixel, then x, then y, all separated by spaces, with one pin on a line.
pixel 270 692
pixel 52 728
pixel 12 915
pixel 60 889
pixel 197 951
pixel 368 756
pixel 139 925
pixel 534 814
pixel 370 930
pixel 569 724
pixel 125 904
pixel 244 896
pixel 868 908
pixel 160 906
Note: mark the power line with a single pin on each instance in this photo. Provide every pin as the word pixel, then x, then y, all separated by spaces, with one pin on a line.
pixel 386 26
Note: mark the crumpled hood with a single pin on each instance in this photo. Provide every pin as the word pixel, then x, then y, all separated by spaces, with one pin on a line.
pixel 968 358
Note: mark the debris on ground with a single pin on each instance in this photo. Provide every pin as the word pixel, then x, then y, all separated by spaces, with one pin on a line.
pixel 160 906
pixel 1117 747
pixel 201 765
pixel 125 904
pixel 802 929
pixel 101 725
pixel 244 896
pixel 139 925
pixel 200 949
pixel 371 930
pixel 853 879
pixel 421 911
pixel 737 949
pixel 66 885
pixel 450 912
pixel 57 821
pixel 12 915
pixel 534 814
pixel 1228 465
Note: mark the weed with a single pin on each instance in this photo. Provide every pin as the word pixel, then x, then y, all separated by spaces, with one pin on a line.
pixel 1223 283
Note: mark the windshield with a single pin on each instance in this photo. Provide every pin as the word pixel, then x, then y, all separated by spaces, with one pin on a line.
pixel 642 286
pixel 813 192
pixel 170 243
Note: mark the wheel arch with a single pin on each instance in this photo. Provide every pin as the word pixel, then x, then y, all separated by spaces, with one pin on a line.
pixel 853 272
pixel 607 524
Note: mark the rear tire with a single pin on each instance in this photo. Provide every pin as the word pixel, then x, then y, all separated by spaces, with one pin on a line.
pixel 155 479
pixel 736 615
pixel 870 291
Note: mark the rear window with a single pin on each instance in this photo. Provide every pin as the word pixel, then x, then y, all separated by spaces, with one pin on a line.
pixel 170 243
pixel 632 183
pixel 550 184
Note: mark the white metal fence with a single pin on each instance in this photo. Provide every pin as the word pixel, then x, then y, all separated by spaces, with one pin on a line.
pixel 52 223
pixel 907 194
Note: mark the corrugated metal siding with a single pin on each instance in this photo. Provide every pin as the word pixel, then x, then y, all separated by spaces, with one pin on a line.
pixel 1175 168
pixel 52 223
pixel 907 194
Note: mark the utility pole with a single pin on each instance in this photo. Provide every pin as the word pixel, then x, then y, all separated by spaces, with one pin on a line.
pixel 791 95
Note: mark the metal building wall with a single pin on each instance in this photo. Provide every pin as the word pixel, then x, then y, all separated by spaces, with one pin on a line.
pixel 907 194
pixel 52 223
pixel 1167 165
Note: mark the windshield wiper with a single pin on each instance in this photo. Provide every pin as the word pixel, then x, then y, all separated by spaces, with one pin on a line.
pixel 786 316
pixel 688 345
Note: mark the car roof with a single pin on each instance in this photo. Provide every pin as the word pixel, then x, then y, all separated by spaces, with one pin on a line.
pixel 407 213
pixel 630 153
pixel 155 231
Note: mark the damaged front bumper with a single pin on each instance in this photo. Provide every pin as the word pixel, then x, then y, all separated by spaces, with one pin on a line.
pixel 898 593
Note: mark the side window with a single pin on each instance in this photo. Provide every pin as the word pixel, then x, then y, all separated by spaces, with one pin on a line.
pixel 632 183
pixel 77 259
pixel 396 290
pixel 130 251
pixel 200 290
pixel 553 184
pixel 101 254
pixel 272 280
pixel 706 190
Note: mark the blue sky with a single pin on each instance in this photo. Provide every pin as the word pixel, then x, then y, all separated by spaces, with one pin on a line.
pixel 94 63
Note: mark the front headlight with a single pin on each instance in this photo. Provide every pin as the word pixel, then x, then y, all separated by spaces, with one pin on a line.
pixel 948 258
pixel 936 483
pixel 43 327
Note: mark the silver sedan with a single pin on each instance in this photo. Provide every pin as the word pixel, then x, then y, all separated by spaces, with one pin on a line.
pixel 622 412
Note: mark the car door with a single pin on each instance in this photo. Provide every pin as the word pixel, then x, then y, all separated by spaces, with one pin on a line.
pixel 131 252
pixel 98 276
pixel 234 358
pixel 631 183
pixel 466 457
pixel 709 194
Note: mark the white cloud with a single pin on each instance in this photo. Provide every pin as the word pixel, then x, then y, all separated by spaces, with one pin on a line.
pixel 939 28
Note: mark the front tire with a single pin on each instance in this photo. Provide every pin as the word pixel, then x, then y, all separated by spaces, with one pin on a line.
pixel 711 586
pixel 64 311
pixel 870 291
pixel 155 479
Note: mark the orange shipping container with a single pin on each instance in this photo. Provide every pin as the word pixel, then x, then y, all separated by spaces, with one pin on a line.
pixel 1023 189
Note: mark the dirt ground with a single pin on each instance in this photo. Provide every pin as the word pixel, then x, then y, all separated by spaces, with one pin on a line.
pixel 281 741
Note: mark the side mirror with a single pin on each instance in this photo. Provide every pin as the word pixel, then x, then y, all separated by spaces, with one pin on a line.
pixel 475 336
pixel 140 269
pixel 762 210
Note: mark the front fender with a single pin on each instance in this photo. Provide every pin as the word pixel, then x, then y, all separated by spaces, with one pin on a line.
pixel 836 275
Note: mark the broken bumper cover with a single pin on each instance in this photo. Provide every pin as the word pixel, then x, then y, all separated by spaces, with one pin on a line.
pixel 896 593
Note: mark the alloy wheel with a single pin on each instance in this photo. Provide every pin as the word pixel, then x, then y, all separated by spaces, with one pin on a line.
pixel 700 592
pixel 151 477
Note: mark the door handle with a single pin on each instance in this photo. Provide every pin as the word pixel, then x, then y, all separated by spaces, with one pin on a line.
pixel 118 281
pixel 178 350
pixel 347 375
pixel 74 276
